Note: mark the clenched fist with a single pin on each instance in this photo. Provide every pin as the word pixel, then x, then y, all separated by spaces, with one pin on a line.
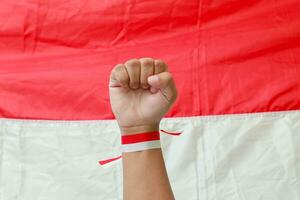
pixel 141 92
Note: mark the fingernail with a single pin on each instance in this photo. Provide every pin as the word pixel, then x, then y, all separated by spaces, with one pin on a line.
pixel 153 79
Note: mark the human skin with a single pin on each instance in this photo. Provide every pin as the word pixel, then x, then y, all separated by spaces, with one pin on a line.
pixel 141 93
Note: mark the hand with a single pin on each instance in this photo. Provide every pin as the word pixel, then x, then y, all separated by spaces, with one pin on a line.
pixel 141 93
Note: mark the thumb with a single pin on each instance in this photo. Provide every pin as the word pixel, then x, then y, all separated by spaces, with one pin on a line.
pixel 165 84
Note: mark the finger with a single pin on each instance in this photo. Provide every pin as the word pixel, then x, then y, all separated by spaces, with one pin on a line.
pixel 133 70
pixel 147 69
pixel 119 77
pixel 164 83
pixel 160 66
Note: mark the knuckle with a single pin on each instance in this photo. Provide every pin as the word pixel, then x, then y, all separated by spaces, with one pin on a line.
pixel 132 63
pixel 159 62
pixel 161 65
pixel 117 69
pixel 147 61
pixel 119 74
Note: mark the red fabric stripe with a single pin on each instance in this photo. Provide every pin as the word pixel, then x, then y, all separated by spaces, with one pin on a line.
pixel 140 137
pixel 171 133
pixel 103 162
pixel 235 60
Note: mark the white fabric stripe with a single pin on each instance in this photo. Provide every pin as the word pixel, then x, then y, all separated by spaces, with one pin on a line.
pixel 140 146
pixel 229 157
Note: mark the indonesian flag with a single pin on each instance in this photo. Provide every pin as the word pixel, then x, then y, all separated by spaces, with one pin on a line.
pixel 233 133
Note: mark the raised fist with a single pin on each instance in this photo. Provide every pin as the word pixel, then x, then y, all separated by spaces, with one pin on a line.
pixel 141 93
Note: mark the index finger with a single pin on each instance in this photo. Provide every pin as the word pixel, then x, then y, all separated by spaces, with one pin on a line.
pixel 119 77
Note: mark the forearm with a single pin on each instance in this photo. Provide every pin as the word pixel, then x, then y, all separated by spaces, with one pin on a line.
pixel 144 172
pixel 145 176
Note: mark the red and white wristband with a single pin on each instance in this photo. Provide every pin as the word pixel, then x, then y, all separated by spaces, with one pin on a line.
pixel 140 142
